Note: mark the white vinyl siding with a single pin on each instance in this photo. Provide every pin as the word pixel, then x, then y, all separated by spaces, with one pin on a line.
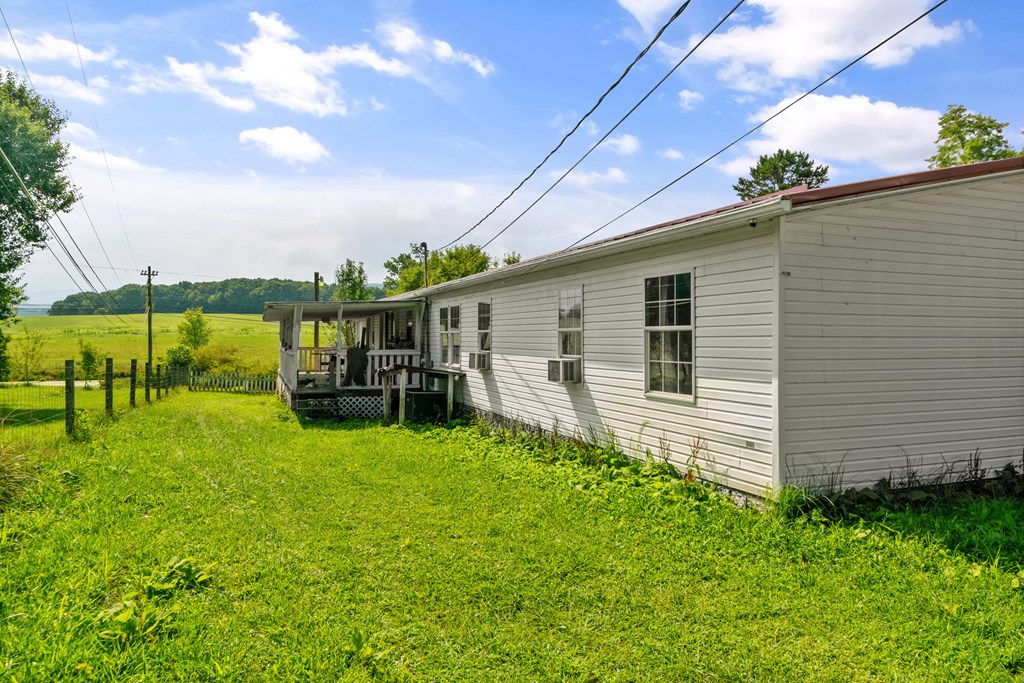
pixel 904 333
pixel 733 276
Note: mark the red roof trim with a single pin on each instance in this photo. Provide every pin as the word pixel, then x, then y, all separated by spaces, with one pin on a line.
pixel 929 177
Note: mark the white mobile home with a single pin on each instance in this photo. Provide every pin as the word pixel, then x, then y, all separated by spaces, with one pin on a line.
pixel 846 332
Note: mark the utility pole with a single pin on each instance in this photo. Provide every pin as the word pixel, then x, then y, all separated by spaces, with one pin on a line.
pixel 424 252
pixel 150 274
pixel 316 297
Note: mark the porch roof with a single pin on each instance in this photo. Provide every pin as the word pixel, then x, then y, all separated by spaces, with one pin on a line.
pixel 276 311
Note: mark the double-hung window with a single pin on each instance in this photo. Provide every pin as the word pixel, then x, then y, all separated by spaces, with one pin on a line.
pixel 668 332
pixel 483 326
pixel 451 337
pixel 570 323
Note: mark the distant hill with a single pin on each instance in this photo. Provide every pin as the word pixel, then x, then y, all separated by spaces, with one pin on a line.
pixel 237 295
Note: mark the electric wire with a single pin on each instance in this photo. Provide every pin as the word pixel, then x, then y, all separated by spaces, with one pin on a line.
pixel 17 49
pixel 735 141
pixel 657 36
pixel 103 150
pixel 759 125
pixel 618 123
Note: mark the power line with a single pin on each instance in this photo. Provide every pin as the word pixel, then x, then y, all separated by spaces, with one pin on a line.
pixel 618 123
pixel 760 125
pixel 741 137
pixel 579 123
pixel 16 49
pixel 103 150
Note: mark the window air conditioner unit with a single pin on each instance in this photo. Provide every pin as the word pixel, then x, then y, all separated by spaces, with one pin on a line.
pixel 565 370
pixel 480 360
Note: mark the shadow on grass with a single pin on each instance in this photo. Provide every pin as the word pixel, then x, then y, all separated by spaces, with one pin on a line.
pixel 21 417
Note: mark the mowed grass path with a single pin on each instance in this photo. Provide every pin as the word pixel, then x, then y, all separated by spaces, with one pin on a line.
pixel 461 560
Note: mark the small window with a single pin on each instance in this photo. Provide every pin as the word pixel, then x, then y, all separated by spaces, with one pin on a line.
pixel 668 332
pixel 483 326
pixel 451 337
pixel 570 323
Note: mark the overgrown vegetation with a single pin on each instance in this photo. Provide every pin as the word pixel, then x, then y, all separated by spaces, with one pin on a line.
pixel 356 552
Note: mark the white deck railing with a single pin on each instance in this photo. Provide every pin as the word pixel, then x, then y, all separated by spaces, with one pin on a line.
pixel 315 361
pixel 382 359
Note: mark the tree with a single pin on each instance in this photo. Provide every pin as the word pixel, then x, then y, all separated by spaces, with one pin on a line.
pixel 194 331
pixel 90 359
pixel 966 138
pixel 37 187
pixel 780 171
pixel 405 271
pixel 350 283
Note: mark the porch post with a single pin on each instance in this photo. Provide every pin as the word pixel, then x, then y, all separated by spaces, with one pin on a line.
pixel 297 341
pixel 386 381
pixel 403 380
pixel 451 395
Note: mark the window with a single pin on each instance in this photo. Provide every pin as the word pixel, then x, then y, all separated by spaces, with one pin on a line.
pixel 483 326
pixel 451 338
pixel 570 323
pixel 668 329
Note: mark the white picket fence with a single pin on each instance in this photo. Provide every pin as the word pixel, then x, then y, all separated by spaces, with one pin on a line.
pixel 236 383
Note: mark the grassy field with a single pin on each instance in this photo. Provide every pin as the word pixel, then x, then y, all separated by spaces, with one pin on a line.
pixel 245 337
pixel 215 537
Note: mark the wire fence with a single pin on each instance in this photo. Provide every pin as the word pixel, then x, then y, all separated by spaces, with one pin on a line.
pixel 38 415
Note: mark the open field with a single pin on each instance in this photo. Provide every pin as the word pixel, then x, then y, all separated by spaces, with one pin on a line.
pixel 253 341
pixel 354 552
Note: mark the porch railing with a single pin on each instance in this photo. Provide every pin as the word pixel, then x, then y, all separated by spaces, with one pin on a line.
pixel 382 359
pixel 314 358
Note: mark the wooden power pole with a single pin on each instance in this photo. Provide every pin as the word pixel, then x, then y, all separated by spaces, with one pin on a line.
pixel 316 297
pixel 150 274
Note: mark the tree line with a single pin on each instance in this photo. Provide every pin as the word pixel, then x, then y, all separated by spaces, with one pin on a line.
pixel 235 295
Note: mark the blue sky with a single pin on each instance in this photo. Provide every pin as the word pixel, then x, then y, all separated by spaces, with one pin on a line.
pixel 274 139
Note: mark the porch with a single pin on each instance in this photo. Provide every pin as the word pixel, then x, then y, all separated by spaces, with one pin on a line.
pixel 330 353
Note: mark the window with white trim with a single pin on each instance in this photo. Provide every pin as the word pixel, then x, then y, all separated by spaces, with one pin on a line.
pixel 570 323
pixel 451 337
pixel 668 334
pixel 483 326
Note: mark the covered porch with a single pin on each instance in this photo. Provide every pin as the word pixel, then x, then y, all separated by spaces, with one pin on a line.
pixel 335 349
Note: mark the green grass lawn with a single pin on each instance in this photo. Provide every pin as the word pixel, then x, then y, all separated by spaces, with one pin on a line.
pixel 254 342
pixel 456 558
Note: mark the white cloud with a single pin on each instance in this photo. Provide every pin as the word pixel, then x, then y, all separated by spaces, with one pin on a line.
pixel 672 154
pixel 75 131
pixel 851 129
pixel 624 144
pixel 98 160
pixel 590 128
pixel 285 143
pixel 62 86
pixel 272 68
pixel 195 77
pixel 647 12
pixel 405 40
pixel 48 48
pixel 585 179
pixel 688 99
pixel 801 39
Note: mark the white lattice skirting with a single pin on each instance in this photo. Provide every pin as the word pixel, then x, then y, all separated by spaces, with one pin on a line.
pixel 363 407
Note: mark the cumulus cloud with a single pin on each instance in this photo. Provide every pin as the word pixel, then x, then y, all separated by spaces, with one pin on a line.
pixel 62 86
pixel 586 179
pixel 647 12
pixel 851 129
pixel 672 154
pixel 49 48
pixel 85 157
pixel 405 40
pixel 800 39
pixel 688 99
pixel 273 68
pixel 624 144
pixel 285 143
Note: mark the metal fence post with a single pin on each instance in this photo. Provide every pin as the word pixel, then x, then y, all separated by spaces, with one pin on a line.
pixel 131 386
pixel 69 396
pixel 109 381
pixel 149 379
